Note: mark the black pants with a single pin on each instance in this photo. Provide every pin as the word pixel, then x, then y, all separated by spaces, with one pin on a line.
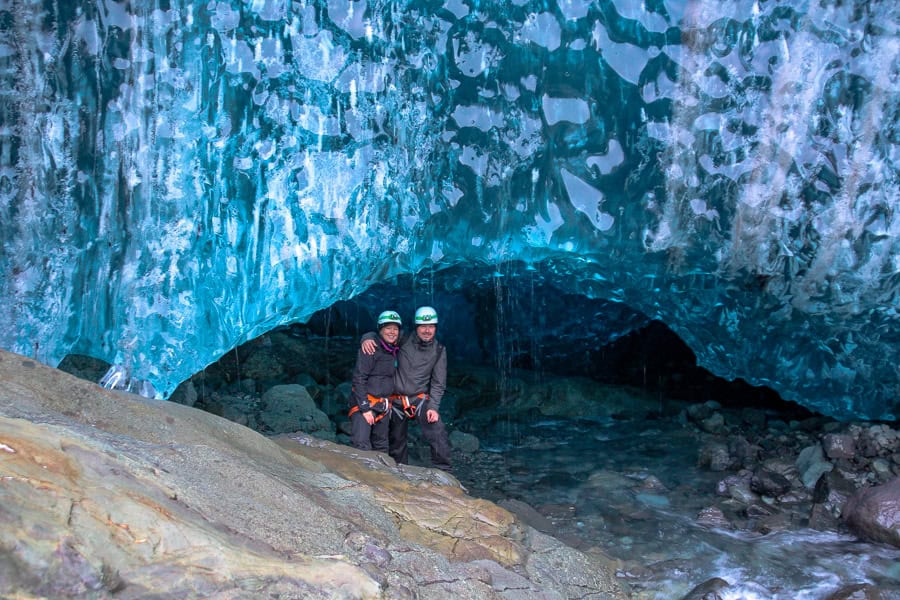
pixel 369 437
pixel 435 433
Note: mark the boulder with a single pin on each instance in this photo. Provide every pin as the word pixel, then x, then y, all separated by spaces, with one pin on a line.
pixel 185 394
pixel 715 457
pixel 873 513
pixel 832 491
pixel 288 408
pixel 769 483
pixel 708 590
pixel 464 442
pixel 713 517
pixel 836 445
pixel 878 440
pixel 579 396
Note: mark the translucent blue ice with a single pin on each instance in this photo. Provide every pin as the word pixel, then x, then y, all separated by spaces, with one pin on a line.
pixel 179 177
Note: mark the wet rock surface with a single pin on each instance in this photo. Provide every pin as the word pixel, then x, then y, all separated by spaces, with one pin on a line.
pixel 874 513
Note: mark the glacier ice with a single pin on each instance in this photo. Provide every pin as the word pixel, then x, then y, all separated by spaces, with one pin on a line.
pixel 177 178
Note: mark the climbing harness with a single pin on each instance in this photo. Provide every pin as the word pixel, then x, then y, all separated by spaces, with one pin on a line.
pixel 379 406
pixel 406 406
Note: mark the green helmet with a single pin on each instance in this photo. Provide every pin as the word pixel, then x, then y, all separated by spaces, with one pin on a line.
pixel 389 316
pixel 425 315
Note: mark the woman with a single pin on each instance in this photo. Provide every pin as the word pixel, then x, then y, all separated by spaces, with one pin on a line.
pixel 373 383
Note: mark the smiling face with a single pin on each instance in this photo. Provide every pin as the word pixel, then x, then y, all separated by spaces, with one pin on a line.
pixel 426 332
pixel 389 333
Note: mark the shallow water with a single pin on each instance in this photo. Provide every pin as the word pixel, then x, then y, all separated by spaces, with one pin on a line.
pixel 633 490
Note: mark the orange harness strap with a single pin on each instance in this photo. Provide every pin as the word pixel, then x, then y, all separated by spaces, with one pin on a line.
pixel 379 407
pixel 409 408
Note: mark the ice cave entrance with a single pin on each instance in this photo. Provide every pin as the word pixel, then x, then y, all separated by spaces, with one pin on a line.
pixel 498 326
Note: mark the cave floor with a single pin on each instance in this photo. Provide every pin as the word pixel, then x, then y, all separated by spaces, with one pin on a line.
pixel 633 489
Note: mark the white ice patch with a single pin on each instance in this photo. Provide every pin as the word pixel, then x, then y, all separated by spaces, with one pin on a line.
pixel 737 10
pixel 510 92
pixel 472 56
pixel 318 57
pixel 662 87
pixel 670 133
pixel 605 163
pixel 528 139
pixel 587 199
pixel 700 208
pixel 476 116
pixel 310 117
pixel 457 7
pixel 87 31
pixel 270 53
pixel 364 77
pixel 637 11
pixel 573 9
pixel 357 125
pixel 349 16
pixel 573 110
pixel 224 18
pixel 734 171
pixel 452 194
pixel 243 163
pixel 473 158
pixel 540 233
pixel 117 15
pixel 627 60
pixel 239 58
pixel 269 10
pixel 542 29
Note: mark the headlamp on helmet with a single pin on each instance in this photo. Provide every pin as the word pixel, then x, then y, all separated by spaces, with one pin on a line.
pixel 425 315
pixel 388 317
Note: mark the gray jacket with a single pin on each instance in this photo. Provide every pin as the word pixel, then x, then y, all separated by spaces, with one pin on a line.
pixel 421 367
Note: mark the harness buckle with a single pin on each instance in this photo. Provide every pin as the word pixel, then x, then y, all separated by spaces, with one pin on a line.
pixel 408 408
pixel 378 406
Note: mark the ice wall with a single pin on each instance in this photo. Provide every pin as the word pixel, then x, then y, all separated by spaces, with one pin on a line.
pixel 177 178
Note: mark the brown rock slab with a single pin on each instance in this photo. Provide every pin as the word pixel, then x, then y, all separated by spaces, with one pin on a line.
pixel 104 493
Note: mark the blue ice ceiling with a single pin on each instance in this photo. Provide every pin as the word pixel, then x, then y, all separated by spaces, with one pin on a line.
pixel 177 178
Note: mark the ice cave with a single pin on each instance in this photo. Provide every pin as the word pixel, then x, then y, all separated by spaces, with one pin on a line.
pixel 177 178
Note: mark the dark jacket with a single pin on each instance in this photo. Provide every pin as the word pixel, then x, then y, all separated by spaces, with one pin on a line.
pixel 374 374
pixel 422 367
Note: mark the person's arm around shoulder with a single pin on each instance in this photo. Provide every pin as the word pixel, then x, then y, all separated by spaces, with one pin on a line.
pixel 367 342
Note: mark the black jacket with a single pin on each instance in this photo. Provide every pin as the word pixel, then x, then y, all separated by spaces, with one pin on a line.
pixel 373 374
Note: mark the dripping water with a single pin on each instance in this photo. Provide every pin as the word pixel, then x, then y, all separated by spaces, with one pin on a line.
pixel 237 365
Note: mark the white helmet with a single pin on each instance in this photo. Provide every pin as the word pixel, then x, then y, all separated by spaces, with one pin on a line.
pixel 425 315
pixel 389 316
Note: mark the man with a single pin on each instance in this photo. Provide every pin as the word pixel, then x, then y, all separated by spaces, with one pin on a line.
pixel 373 383
pixel 419 384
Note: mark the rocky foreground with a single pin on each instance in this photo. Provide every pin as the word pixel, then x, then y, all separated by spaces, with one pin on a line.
pixel 109 495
